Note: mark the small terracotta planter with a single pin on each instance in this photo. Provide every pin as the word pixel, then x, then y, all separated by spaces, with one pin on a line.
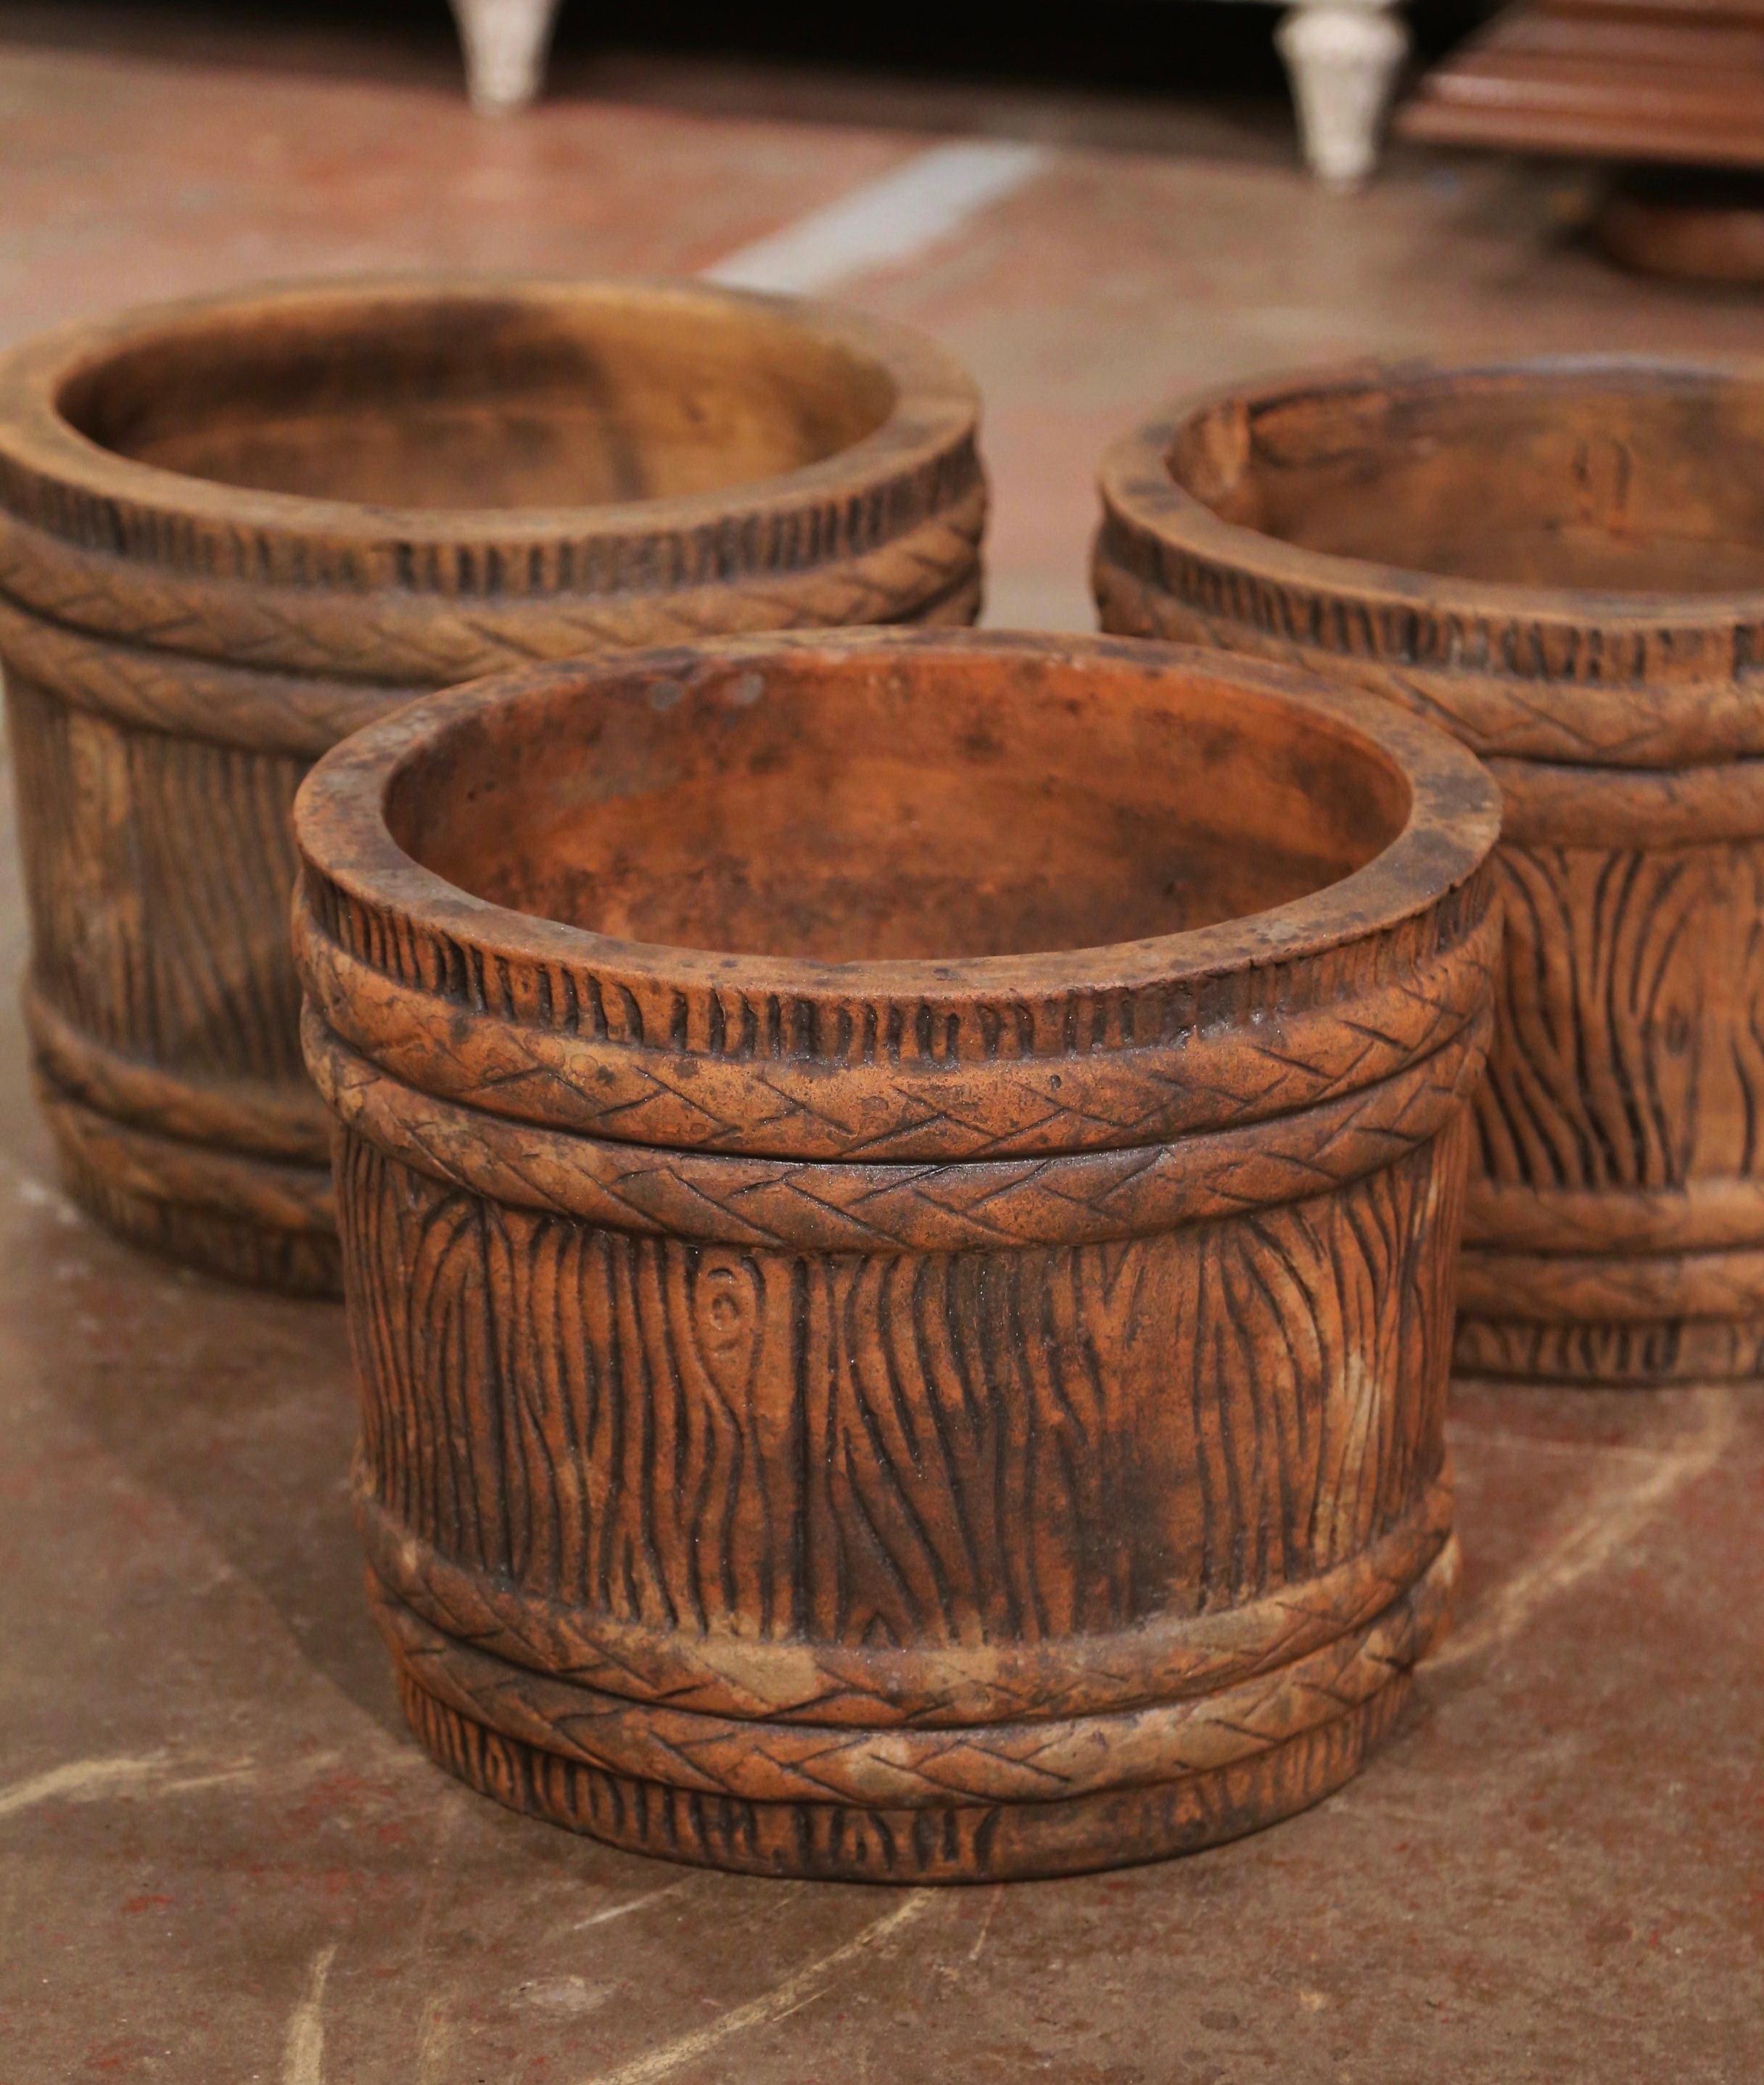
pixel 232 531
pixel 899 1196
pixel 1564 562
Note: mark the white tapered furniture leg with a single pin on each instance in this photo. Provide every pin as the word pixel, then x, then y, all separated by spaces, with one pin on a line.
pixel 506 42
pixel 1342 57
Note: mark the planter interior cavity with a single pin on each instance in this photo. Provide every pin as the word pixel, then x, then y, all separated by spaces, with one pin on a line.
pixel 894 813
pixel 234 531
pixel 476 402
pixel 1609 478
pixel 899 1196
pixel 1563 563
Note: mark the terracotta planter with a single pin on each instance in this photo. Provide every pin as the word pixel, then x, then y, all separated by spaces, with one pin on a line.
pixel 899 1196
pixel 1564 562
pixel 232 531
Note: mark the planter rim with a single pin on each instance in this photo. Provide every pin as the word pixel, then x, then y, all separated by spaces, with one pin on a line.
pixel 42 454
pixel 1453 821
pixel 1138 489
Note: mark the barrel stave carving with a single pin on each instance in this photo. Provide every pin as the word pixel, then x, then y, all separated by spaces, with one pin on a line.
pixel 907 1415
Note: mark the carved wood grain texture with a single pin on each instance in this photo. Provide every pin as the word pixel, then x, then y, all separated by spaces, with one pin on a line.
pixel 178 647
pixel 1627 1086
pixel 162 996
pixel 154 867
pixel 971 1516
pixel 1615 1232
pixel 851 1449
pixel 1617 1067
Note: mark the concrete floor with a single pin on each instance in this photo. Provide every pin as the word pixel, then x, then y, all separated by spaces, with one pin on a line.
pixel 220 1859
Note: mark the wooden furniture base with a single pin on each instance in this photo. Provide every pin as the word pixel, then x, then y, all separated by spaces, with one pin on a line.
pixel 1698 225
pixel 1675 80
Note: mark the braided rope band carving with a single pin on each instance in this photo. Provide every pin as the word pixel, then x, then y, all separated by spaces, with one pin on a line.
pixel 1706 712
pixel 239 700
pixel 993 1842
pixel 840 1685
pixel 417 640
pixel 280 1196
pixel 149 687
pixel 1635 1288
pixel 1702 1216
pixel 824 1206
pixel 901 1108
pixel 260 1117
pixel 1560 784
pixel 1044 1760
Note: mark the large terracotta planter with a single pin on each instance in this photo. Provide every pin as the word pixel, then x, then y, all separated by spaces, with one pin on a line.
pixel 232 531
pixel 899 1198
pixel 1564 563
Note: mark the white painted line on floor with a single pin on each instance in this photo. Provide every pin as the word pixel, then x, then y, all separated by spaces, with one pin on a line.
pixel 886 221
